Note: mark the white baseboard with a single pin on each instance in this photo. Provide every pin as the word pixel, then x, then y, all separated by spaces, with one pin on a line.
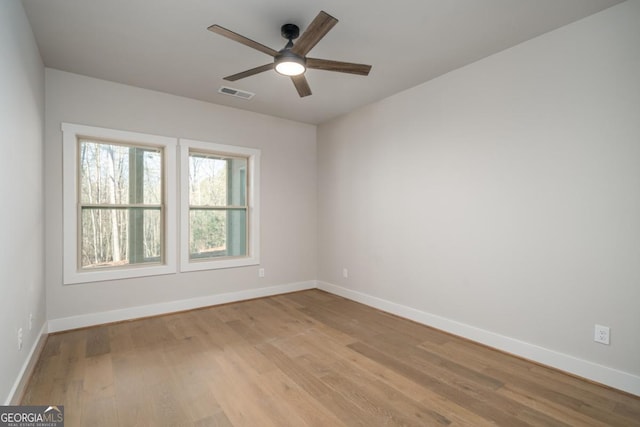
pixel 27 366
pixel 592 371
pixel 92 319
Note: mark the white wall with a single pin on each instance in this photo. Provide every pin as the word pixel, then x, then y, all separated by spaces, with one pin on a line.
pixel 288 187
pixel 504 195
pixel 21 191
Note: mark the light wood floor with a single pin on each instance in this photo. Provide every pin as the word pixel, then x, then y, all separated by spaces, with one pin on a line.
pixel 307 358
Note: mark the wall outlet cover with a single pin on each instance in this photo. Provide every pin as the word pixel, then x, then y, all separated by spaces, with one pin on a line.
pixel 601 334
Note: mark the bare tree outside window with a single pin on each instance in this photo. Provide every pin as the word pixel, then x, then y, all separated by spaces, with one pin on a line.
pixel 121 204
pixel 217 206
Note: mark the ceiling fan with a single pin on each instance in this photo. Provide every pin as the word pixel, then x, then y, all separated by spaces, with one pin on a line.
pixel 292 60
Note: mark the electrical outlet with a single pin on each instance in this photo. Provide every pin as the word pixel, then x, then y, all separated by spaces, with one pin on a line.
pixel 20 339
pixel 261 272
pixel 601 334
pixel 30 321
pixel 345 273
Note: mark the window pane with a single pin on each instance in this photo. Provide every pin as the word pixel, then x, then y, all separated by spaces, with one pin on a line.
pixel 118 174
pixel 217 181
pixel 116 237
pixel 237 232
pixel 152 172
pixel 237 190
pixel 217 233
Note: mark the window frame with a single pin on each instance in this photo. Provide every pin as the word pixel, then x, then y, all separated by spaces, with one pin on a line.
pixel 72 271
pixel 253 205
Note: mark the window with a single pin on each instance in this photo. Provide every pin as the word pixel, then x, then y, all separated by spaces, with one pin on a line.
pixel 219 207
pixel 119 204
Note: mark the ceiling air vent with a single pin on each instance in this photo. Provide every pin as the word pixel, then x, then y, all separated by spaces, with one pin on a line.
pixel 236 92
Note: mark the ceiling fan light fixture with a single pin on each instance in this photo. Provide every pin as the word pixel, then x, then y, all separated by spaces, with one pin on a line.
pixel 289 64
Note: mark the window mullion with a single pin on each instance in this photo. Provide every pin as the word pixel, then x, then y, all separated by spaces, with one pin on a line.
pixel 136 196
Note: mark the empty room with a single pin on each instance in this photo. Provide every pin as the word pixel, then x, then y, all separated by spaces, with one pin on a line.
pixel 292 213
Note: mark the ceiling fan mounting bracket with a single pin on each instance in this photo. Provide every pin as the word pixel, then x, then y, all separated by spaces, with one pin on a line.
pixel 290 31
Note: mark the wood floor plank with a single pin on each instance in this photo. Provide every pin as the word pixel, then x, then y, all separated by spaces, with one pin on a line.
pixel 100 412
pixel 168 406
pixel 290 309
pixel 129 385
pixel 97 342
pixel 304 359
pixel 551 389
pixel 217 420
pixel 150 333
pixel 429 399
pixel 553 409
pixel 257 407
pixel 402 408
pixel 52 346
pixel 310 298
pixel 300 376
pixel 254 358
pixel 201 400
pixel 420 357
pixel 218 334
pixel 41 382
pixel 120 339
pixel 273 323
pixel 475 404
pixel 72 397
pixel 98 377
pixel 247 332
pixel 312 412
pixel 341 358
pixel 343 323
pixel 182 326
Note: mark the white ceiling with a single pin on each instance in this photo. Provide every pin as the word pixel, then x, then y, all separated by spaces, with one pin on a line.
pixel 164 45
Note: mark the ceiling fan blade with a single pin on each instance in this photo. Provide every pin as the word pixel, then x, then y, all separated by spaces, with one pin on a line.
pixel 301 84
pixel 242 39
pixel 341 67
pixel 250 72
pixel 318 28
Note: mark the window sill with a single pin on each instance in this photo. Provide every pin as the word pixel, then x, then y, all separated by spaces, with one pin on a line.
pixel 86 276
pixel 218 264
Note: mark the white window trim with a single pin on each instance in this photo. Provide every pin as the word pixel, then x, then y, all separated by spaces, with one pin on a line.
pixel 71 272
pixel 253 194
